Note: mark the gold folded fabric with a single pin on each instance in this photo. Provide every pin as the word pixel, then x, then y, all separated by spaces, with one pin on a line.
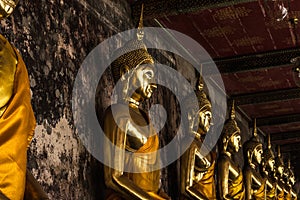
pixel 206 186
pixel 16 131
pixel 236 188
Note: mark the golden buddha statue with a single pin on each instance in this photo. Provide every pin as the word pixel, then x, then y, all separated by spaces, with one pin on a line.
pixel 254 183
pixel 292 182
pixel 268 170
pixel 230 176
pixel 279 169
pixel 289 182
pixel 132 132
pixel 17 121
pixel 197 171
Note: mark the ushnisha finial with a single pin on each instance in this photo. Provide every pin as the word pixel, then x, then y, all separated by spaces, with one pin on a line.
pixel 200 82
pixel 232 112
pixel 200 85
pixel 269 141
pixel 254 129
pixel 140 29
pixel 278 151
pixel 289 163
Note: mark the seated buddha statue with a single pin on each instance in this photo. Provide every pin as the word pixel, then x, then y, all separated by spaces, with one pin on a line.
pixel 133 172
pixel 197 170
pixel 254 182
pixel 292 183
pixel 268 170
pixel 279 169
pixel 289 182
pixel 230 175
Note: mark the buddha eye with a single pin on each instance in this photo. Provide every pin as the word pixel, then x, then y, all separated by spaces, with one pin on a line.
pixel 149 74
pixel 208 114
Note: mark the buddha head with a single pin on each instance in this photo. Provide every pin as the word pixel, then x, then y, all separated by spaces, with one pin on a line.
pixel 231 134
pixel 268 157
pixel 253 149
pixel 7 7
pixel 135 67
pixel 202 117
pixel 292 177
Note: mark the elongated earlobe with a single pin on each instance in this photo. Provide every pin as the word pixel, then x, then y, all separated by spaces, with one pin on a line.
pixel 249 157
pixel 224 144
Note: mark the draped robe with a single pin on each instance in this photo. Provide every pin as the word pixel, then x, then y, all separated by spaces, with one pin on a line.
pixel 16 131
pixel 205 187
pixel 147 180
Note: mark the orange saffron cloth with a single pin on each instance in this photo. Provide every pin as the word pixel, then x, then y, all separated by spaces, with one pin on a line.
pixel 16 131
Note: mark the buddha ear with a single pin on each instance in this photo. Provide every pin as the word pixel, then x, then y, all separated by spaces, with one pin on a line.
pixel 249 157
pixel 224 140
pixel 224 144
pixel 123 70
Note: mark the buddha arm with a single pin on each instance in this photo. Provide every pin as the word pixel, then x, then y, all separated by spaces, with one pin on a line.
pixel 269 184
pixel 279 188
pixel 194 193
pixel 8 63
pixel 125 185
pixel 294 194
pixel 190 176
pixel 223 172
pixel 114 176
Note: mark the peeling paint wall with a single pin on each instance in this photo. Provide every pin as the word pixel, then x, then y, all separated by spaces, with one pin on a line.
pixel 57 157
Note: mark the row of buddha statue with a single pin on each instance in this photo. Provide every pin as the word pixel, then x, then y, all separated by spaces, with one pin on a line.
pixel 212 176
pixel 263 176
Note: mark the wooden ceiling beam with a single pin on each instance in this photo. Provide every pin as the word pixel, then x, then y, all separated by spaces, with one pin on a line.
pixel 284 135
pixel 277 120
pixel 154 9
pixel 289 148
pixel 255 62
pixel 267 96
pixel 285 138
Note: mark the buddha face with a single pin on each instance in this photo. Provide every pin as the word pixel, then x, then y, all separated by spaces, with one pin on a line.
pixel 205 119
pixel 280 170
pixel 271 163
pixel 7 7
pixel 292 179
pixel 257 153
pixel 235 142
pixel 142 78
